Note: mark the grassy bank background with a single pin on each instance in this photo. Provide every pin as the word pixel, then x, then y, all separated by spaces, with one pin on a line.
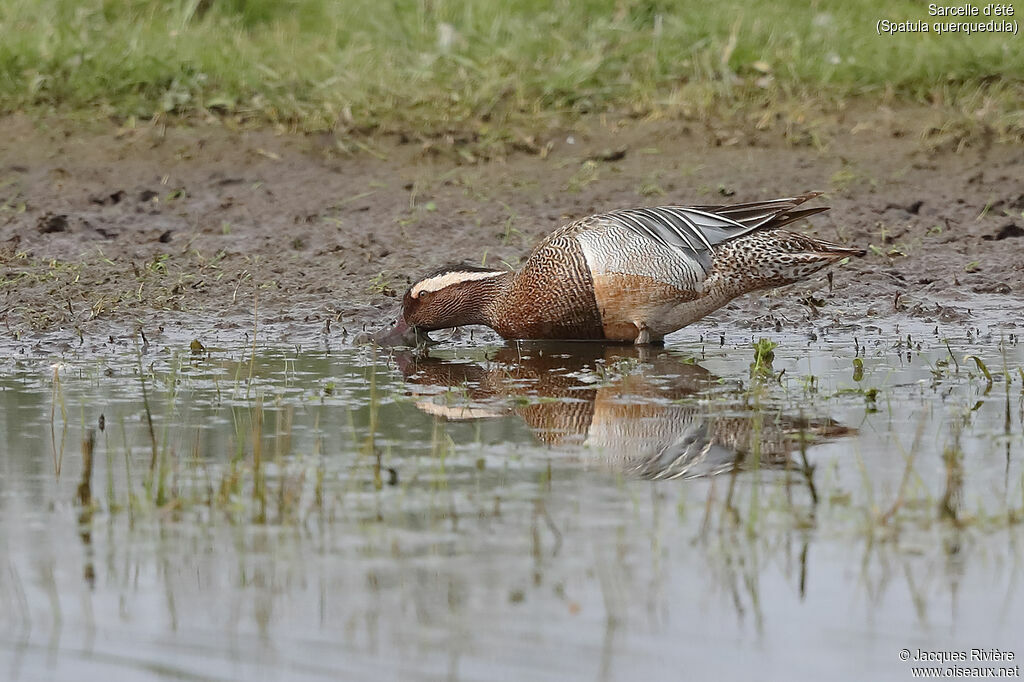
pixel 428 66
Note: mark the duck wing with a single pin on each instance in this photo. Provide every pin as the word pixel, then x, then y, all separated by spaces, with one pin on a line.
pixel 766 214
pixel 695 230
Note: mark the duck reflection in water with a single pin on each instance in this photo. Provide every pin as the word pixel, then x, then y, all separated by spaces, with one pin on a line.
pixel 651 414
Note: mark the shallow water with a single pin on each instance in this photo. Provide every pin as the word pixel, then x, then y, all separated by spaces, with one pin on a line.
pixel 542 512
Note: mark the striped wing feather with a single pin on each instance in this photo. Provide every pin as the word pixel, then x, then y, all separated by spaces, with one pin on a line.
pixel 695 230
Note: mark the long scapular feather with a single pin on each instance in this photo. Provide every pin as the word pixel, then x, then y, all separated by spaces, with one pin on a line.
pixel 698 229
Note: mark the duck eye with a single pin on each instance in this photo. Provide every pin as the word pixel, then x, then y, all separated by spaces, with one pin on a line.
pixel 423 295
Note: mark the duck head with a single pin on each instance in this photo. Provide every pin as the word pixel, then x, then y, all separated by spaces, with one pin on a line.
pixel 451 296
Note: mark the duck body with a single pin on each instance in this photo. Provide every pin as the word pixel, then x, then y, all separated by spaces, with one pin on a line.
pixel 633 275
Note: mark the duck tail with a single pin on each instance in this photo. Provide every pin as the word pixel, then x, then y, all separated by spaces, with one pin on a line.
pixel 832 249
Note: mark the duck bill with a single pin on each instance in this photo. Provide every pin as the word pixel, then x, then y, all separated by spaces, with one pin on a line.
pixel 399 335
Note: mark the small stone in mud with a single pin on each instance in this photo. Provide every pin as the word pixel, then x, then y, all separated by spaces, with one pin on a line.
pixel 609 155
pixel 913 208
pixel 110 199
pixel 165 237
pixel 1006 231
pixel 10 246
pixel 951 314
pixel 147 195
pixel 993 288
pixel 50 223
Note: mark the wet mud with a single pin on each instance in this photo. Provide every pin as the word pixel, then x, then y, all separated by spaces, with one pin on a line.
pixel 211 233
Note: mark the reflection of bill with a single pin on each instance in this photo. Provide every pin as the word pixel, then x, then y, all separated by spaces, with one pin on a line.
pixel 633 408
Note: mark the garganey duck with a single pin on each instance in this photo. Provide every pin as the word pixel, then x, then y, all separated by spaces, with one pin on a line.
pixel 627 275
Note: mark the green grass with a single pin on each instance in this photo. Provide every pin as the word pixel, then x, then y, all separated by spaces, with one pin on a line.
pixel 483 68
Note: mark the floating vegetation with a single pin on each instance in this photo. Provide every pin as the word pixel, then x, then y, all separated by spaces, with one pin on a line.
pixel 764 355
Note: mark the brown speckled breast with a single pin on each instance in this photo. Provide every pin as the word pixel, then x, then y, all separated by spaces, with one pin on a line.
pixel 552 297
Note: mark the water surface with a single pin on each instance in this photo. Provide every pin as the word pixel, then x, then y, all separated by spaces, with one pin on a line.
pixel 542 512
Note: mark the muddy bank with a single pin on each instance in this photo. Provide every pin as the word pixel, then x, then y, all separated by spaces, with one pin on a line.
pixel 189 232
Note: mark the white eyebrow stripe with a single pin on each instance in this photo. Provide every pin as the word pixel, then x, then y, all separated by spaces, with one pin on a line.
pixel 439 282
